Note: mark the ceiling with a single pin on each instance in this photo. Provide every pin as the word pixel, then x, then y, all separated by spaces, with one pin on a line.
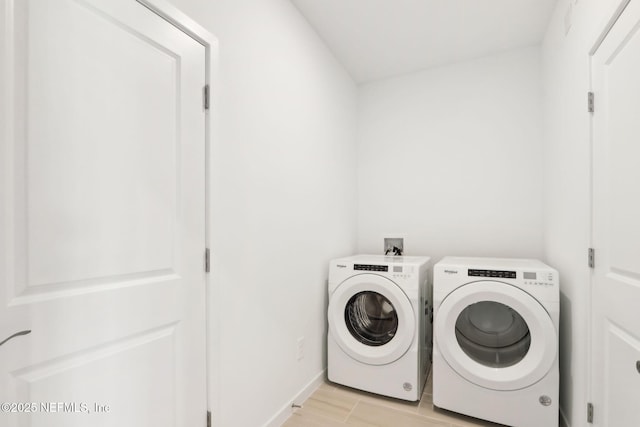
pixel 375 39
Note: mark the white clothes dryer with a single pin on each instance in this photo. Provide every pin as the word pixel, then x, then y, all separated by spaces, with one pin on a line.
pixel 495 352
pixel 379 337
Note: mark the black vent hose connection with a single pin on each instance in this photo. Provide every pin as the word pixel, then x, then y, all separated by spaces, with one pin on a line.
pixel 395 251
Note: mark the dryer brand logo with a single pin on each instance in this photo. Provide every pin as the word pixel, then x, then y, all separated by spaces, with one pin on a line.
pixel 341 266
pixel 451 271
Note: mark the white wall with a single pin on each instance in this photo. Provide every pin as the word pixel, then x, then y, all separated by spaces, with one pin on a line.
pixel 567 148
pixel 432 145
pixel 284 180
pixel 451 159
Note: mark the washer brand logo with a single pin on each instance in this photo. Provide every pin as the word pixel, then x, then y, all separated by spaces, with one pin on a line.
pixel 341 266
pixel 451 271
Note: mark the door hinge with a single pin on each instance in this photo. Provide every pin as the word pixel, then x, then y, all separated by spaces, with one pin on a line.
pixel 592 258
pixel 208 418
pixel 206 96
pixel 207 260
pixel 590 102
pixel 590 413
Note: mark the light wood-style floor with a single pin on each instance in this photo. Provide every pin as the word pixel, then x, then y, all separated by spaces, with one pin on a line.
pixel 332 405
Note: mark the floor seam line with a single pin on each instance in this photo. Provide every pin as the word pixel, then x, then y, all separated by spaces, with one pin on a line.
pixel 352 409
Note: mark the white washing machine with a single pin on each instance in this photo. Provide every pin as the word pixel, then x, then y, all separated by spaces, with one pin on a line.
pixel 379 336
pixel 495 353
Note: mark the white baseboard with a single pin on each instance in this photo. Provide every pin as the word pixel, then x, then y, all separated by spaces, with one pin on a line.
pixel 281 416
pixel 563 419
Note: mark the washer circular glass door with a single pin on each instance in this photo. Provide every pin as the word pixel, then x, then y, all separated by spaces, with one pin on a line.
pixel 496 335
pixel 371 319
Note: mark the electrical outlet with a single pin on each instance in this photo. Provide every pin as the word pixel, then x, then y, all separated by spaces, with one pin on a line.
pixel 300 349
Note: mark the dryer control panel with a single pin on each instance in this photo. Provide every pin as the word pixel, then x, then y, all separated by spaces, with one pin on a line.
pixel 535 278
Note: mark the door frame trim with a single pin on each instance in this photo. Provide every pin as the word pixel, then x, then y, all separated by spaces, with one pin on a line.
pixel 187 25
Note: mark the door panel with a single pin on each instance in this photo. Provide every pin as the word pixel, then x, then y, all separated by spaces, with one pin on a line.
pixel 621 388
pixel 102 217
pixel 111 373
pixel 616 229
pixel 126 217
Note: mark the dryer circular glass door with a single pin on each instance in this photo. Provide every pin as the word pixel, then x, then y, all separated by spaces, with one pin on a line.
pixel 496 335
pixel 371 319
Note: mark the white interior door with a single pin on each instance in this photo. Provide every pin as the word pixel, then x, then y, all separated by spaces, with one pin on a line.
pixel 102 221
pixel 616 224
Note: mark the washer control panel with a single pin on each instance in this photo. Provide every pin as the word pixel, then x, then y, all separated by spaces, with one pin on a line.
pixel 399 271
pixel 538 278
pixel 402 272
